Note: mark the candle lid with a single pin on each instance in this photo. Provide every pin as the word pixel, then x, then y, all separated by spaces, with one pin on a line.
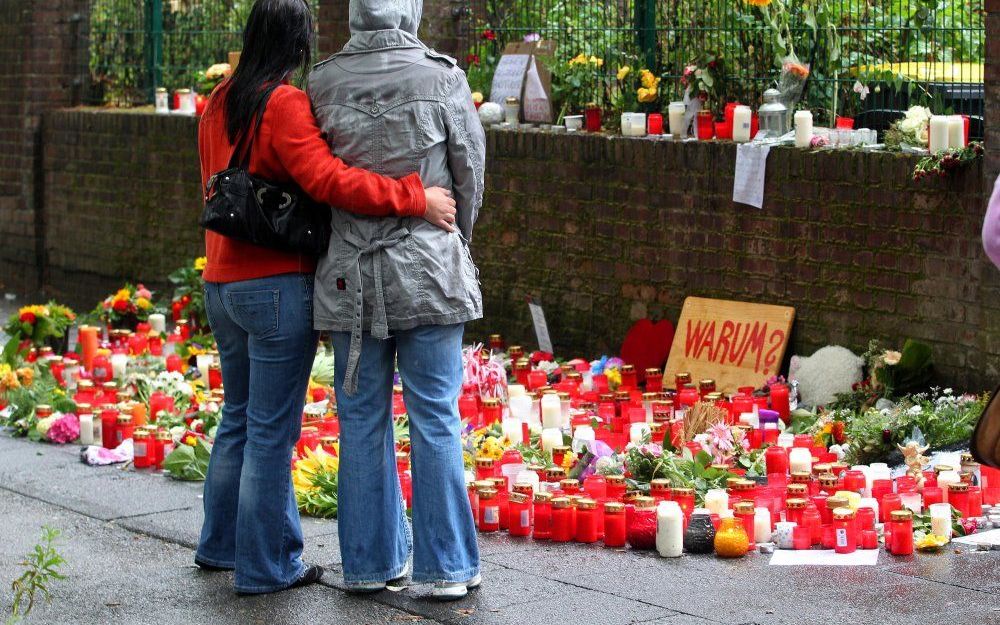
pixel 555 472
pixel 958 487
pixel 614 507
pixel 569 483
pixel 799 477
pixel 498 482
pixel 487 493
pixel 796 489
pixel 525 488
pixel 82 384
pixel 615 479
pixel 643 503
pixel 650 397
pixel 828 479
pixel 491 402
pixel 518 498
pixel 140 434
pixel 833 503
pixel 623 396
pixel 942 467
pixel 795 504
pixel 652 372
pixel 628 368
pixel 586 504
pixel 560 502
pixel 484 463
pixel 83 408
pixel 900 515
pixel 847 513
pixel 543 497
pixel 163 435
pixel 659 484
pixel 561 449
pixel 746 507
pixel 683 492
pixel 331 440
pixel 124 419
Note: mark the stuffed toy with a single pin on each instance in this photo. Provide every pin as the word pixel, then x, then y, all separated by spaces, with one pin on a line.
pixel 490 113
pixel 831 370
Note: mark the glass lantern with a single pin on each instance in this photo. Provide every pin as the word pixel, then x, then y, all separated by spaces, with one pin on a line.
pixel 773 114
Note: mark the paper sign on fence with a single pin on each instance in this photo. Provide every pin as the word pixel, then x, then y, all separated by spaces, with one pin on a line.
pixel 748 183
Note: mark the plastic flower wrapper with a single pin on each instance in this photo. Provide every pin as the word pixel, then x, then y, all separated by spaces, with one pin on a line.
pixel 64 429
pixel 794 74
pixel 489 376
pixel 590 462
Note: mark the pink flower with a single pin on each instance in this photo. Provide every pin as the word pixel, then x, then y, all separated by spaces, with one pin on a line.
pixel 65 429
pixel 142 291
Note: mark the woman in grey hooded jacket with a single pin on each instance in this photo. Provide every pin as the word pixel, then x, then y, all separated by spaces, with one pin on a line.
pixel 399 290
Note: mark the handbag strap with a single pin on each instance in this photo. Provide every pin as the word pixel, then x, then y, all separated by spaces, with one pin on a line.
pixel 244 145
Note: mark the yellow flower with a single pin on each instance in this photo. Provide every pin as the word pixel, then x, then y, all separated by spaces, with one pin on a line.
pixel 143 303
pixel 477 97
pixel 758 3
pixel 190 440
pixel 315 461
pixel 569 460
pixel 199 263
pixel 623 72
pixel 614 378
pixel 580 59
pixel 647 95
pixel 26 375
pixel 35 309
pixel 596 61
pixel 930 542
pixel 649 81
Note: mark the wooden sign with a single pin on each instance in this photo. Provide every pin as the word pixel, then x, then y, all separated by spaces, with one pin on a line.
pixel 508 79
pixel 734 343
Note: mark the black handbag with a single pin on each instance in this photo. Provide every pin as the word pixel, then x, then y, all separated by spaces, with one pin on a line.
pixel 248 208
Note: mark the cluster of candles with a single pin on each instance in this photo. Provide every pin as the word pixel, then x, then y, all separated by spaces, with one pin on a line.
pixel 831 505
pixel 948 132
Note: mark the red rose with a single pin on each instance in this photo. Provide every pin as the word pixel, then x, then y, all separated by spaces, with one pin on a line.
pixel 28 317
pixel 472 59
pixel 120 306
pixel 489 35
pixel 540 356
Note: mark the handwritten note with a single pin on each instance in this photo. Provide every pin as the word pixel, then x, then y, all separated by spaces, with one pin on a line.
pixel 508 80
pixel 541 328
pixel 751 164
pixel 824 557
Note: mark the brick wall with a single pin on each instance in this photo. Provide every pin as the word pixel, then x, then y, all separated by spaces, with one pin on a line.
pixel 439 28
pixel 992 80
pixel 607 231
pixel 39 60
pixel 122 200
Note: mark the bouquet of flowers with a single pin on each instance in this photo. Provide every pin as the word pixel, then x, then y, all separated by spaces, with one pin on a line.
pixel 912 131
pixel 127 307
pixel 209 79
pixel 36 325
pixel 188 301
pixel 704 77
pixel 574 82
pixel 943 163
pixel 637 90
pixel 794 74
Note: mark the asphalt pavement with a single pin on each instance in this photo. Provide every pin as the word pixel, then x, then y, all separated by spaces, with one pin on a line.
pixel 128 538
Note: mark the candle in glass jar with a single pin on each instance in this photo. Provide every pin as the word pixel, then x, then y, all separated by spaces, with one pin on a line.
pixel 86 417
pixel 803 129
pixel 938 133
pixel 614 524
pixel 489 510
pixel 945 479
pixel 551 438
pixel 638 433
pixel 675 118
pixel 158 323
pixel 800 460
pixel 716 500
pixel 542 529
pixel 762 525
pixel 956 132
pixel 551 411
pixel 519 511
pixel 669 530
pixel 742 118
pixel 586 521
pixel 845 531
pixel 941 522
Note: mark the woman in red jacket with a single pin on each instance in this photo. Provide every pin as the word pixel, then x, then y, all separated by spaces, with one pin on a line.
pixel 259 302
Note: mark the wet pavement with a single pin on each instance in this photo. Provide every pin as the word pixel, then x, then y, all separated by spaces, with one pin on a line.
pixel 128 539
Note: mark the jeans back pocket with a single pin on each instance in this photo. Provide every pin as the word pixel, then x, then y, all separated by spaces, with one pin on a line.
pixel 255 311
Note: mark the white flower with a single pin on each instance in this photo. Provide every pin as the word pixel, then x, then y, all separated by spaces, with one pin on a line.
pixel 922 134
pixel 861 90
pixel 915 410
pixel 891 358
pixel 948 391
pixel 919 113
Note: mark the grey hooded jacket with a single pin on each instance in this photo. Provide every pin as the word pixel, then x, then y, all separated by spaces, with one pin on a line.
pixel 389 104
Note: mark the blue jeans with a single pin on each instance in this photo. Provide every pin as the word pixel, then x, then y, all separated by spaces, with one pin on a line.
pixel 375 537
pixel 267 344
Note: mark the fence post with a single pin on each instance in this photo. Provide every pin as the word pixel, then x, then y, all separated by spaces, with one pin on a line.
pixel 154 46
pixel 645 32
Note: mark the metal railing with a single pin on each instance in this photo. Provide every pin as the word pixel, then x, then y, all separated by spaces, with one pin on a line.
pixel 136 46
pixel 869 59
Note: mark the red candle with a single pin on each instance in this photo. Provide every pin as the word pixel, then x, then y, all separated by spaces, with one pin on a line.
pixel 485 468
pixel 586 521
pixel 779 401
pixel 543 517
pixel 901 540
pixel 641 526
pixel 958 497
pixel 869 539
pixel 468 408
pixel 654 377
pixel 845 531
pixel 124 428
pixel 592 119
pixel 975 502
pixel 492 411
pixel 932 495
pixel 654 124
pixel 489 510
pixel 142 458
pixel 616 487
pixel 706 125
pixel 109 428
pixel 562 521
pixel 537 379
pixel 801 537
pixel 519 510
pixel 165 442
pixel 503 500
pixel 474 502
pixel 811 519
pixel 890 503
pixel 614 525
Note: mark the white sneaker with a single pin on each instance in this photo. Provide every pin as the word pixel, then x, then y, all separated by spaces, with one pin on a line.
pixel 450 591
pixel 397 583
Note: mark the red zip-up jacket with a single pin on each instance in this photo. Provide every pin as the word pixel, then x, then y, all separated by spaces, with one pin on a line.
pixel 290 147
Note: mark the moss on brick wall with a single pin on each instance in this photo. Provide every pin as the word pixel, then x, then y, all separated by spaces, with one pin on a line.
pixel 607 231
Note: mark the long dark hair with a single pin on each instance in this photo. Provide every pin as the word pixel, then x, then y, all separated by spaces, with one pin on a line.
pixel 277 41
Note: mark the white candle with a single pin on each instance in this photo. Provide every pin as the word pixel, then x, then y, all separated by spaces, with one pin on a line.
pixel 98 431
pixel 637 432
pixel 669 529
pixel 675 119
pixel 582 436
pixel 912 502
pixel 551 437
pixel 520 407
pixel 939 133
pixel 880 471
pixel 800 460
pixel 634 124
pixel 158 323
pixel 783 534
pixel 956 132
pixel 565 408
pixel 761 525
pixel 786 440
pixel 716 500
pixel 551 411
pixel 868 477
pixel 204 361
pixel 516 390
pixel 512 430
pixel 803 129
pixel 86 429
pixel 528 477
pixel 944 479
pixel 941 519
pixel 741 124
pixel 853 498
pixel 587 384
pixel 119 362
pixel 535 413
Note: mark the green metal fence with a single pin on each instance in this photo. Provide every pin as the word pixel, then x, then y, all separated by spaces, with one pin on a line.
pixel 869 59
pixel 137 46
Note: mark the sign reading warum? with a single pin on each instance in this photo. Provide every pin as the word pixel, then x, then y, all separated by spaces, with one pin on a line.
pixel 734 343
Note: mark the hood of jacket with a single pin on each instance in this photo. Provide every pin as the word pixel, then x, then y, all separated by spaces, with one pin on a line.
pixel 375 15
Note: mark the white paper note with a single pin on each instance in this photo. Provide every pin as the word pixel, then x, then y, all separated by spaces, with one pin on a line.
pixel 825 557
pixel 541 328
pixel 751 164
pixel 508 79
pixel 991 537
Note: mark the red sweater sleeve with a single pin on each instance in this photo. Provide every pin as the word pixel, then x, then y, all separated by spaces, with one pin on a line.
pixel 299 145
